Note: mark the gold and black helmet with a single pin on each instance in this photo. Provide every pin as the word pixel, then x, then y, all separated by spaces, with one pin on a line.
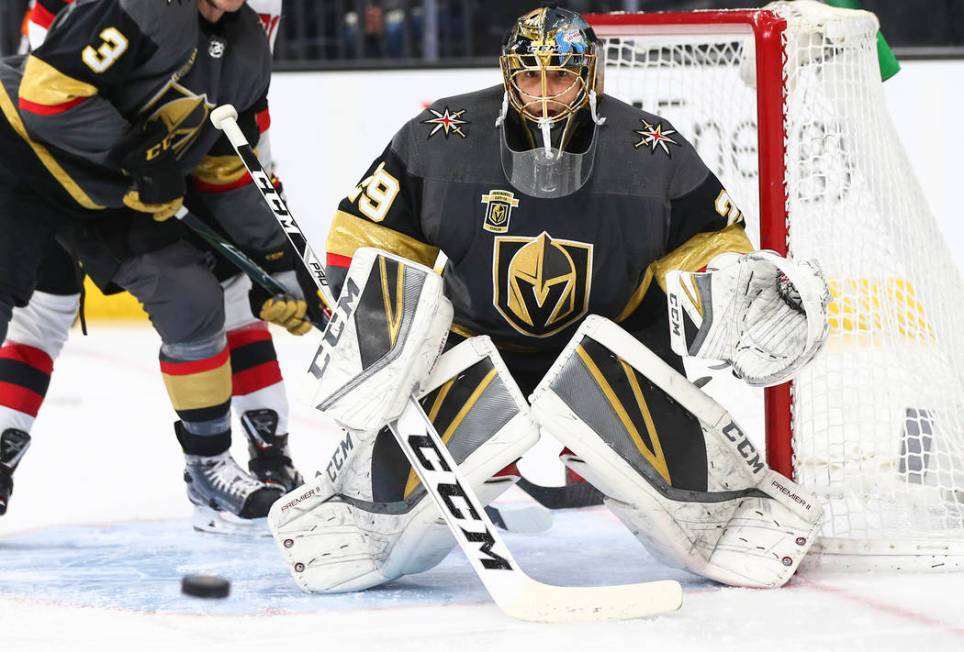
pixel 552 73
pixel 546 42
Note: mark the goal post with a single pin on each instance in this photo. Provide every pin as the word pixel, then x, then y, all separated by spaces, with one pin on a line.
pixel 785 104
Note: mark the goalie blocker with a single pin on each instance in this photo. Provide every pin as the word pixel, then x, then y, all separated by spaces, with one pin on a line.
pixel 672 463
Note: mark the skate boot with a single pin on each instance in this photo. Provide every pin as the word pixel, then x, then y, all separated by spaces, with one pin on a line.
pixel 13 445
pixel 227 499
pixel 270 460
pixel 6 489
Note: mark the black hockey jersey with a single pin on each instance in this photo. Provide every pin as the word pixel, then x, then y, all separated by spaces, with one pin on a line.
pixel 107 65
pixel 525 270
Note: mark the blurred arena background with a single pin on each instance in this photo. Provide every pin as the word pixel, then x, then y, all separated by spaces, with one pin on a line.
pixel 350 72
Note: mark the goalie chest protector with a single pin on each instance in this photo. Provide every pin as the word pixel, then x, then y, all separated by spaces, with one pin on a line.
pixel 526 270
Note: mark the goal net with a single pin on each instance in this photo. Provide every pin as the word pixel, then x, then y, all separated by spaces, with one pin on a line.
pixel 786 105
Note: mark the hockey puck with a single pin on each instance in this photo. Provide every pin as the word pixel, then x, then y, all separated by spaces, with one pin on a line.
pixel 205 586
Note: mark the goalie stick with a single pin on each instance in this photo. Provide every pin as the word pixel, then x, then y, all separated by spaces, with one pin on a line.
pixel 515 592
pixel 525 520
pixel 568 496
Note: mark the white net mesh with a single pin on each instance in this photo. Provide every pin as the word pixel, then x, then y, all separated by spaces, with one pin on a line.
pixel 878 418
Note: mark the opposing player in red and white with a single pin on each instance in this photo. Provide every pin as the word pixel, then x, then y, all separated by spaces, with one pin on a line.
pixel 570 220
pixel 38 331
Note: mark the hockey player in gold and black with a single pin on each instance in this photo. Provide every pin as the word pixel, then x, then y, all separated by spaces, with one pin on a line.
pixel 104 126
pixel 570 221
pixel 528 258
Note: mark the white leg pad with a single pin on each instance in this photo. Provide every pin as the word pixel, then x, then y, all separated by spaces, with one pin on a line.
pixel 751 527
pixel 334 538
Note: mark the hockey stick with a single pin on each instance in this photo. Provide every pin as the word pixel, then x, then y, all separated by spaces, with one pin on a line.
pixel 524 521
pixel 528 519
pixel 516 593
pixel 230 252
pixel 567 496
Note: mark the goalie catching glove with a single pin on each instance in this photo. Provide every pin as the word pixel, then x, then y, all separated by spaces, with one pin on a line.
pixel 673 465
pixel 367 519
pixel 764 314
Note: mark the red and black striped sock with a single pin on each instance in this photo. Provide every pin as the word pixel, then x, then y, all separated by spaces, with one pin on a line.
pixel 257 384
pixel 254 362
pixel 24 378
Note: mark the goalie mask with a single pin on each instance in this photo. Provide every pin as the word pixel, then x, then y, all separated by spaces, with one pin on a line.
pixel 551 72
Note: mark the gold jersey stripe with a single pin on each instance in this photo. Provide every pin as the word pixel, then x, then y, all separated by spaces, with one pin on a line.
pixel 200 390
pixel 461 330
pixel 348 233
pixel 49 162
pixel 220 170
pixel 44 84
pixel 691 256
pixel 695 253
pixel 638 295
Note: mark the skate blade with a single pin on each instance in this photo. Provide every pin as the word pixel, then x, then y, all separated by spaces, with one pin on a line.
pixel 205 519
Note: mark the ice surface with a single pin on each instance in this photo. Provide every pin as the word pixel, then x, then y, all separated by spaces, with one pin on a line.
pixel 97 538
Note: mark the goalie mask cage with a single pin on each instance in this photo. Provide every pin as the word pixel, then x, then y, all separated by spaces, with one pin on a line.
pixel 786 105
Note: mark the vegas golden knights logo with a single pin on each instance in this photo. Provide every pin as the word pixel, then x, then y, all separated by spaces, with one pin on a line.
pixel 183 112
pixel 541 285
pixel 498 209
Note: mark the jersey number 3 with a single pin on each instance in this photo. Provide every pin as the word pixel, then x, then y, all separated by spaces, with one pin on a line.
pixel 107 54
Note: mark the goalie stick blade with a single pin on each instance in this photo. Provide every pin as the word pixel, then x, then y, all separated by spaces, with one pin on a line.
pixel 545 603
pixel 569 496
pixel 517 594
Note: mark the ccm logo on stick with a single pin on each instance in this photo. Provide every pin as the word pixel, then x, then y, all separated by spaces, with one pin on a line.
pixel 452 492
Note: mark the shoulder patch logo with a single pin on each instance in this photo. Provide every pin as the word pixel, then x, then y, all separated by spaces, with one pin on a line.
pixel 498 210
pixel 655 136
pixel 447 122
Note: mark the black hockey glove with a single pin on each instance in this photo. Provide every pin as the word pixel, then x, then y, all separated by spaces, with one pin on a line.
pixel 147 155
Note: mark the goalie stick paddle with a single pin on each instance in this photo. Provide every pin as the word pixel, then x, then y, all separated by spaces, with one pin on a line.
pixel 516 593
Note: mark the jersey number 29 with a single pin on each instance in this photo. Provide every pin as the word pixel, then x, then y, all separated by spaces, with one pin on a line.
pixel 380 189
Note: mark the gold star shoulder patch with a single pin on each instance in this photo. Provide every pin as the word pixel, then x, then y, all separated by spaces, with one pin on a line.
pixel 655 137
pixel 447 122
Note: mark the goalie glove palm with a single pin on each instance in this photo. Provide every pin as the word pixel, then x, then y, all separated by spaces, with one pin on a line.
pixel 764 314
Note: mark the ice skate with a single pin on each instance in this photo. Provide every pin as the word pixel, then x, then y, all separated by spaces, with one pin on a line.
pixel 270 459
pixel 227 499
pixel 6 488
pixel 13 444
